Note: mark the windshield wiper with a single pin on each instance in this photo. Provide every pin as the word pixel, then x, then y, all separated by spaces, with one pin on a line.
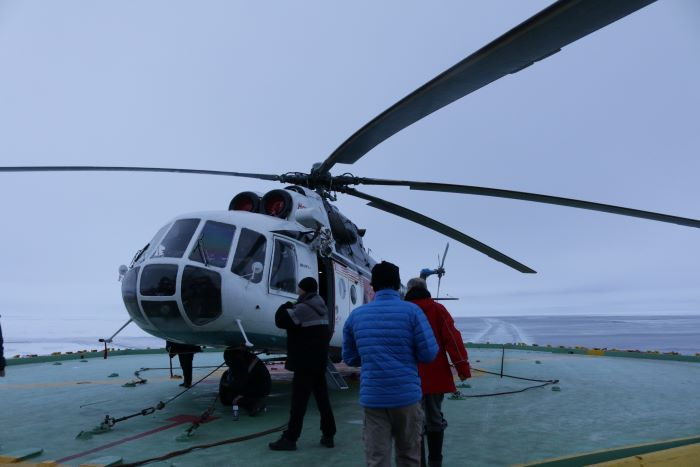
pixel 202 251
pixel 138 255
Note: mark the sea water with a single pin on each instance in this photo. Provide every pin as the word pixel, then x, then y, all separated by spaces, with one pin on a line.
pixel 647 333
pixel 660 333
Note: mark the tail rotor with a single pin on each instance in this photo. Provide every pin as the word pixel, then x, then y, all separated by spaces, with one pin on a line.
pixel 439 271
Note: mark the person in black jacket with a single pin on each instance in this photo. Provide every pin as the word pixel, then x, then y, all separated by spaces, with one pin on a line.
pixel 246 383
pixel 308 336
pixel 185 353
pixel 2 355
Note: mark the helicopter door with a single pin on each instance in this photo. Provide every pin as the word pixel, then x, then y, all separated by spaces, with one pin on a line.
pixel 290 264
pixel 283 275
pixel 347 290
pixel 326 288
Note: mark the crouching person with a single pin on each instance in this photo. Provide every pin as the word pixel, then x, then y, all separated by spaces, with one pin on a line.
pixel 246 383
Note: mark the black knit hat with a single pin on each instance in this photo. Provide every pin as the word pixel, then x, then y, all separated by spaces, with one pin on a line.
pixel 308 285
pixel 385 276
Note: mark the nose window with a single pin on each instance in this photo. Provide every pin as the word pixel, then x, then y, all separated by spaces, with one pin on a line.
pixel 249 260
pixel 164 315
pixel 158 280
pixel 176 240
pixel 129 296
pixel 201 294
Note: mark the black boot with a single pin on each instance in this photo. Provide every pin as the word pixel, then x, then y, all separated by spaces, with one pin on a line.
pixel 283 444
pixel 435 448
pixel 327 441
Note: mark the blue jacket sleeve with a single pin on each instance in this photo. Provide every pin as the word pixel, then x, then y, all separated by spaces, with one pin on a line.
pixel 351 356
pixel 424 342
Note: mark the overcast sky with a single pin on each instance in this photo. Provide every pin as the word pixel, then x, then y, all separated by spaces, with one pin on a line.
pixel 271 87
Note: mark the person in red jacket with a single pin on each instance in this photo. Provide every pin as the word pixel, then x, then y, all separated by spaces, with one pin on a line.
pixel 436 377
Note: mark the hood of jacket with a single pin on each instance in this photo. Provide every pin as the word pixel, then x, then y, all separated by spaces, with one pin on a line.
pixel 417 293
pixel 315 302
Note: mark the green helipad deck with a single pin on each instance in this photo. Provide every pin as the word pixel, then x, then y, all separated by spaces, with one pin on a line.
pixel 603 403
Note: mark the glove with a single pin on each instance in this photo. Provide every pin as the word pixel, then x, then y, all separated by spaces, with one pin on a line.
pixel 462 377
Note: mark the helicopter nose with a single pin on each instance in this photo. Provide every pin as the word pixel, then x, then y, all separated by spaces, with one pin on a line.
pixel 154 300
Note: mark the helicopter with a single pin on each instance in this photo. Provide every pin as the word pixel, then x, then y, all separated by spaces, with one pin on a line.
pixel 185 286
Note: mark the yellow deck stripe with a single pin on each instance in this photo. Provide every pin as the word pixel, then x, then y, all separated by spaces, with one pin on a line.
pixel 683 456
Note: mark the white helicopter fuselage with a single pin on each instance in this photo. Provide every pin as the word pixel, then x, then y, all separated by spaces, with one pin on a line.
pixel 217 278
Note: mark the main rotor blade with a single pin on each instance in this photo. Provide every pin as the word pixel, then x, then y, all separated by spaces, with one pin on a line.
pixel 536 198
pixel 439 227
pixel 537 38
pixel 89 168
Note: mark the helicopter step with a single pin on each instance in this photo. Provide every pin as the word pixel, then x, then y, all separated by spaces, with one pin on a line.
pixel 333 377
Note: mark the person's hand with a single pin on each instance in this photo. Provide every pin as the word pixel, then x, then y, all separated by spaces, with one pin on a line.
pixel 2 373
pixel 462 376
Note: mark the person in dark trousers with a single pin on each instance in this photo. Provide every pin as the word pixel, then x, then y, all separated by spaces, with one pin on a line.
pixel 436 376
pixel 2 355
pixel 388 337
pixel 185 353
pixel 308 336
pixel 246 383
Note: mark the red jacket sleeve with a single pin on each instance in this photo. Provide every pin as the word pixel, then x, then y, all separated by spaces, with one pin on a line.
pixel 454 345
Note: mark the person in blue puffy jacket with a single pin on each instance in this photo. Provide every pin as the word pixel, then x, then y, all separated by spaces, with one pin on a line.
pixel 388 337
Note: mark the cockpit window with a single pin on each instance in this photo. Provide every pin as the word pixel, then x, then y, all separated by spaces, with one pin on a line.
pixel 213 245
pixel 250 255
pixel 176 240
pixel 146 250
pixel 284 267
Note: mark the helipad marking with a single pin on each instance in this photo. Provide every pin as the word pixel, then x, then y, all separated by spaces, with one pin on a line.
pixel 59 384
pixel 20 455
pixel 177 420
